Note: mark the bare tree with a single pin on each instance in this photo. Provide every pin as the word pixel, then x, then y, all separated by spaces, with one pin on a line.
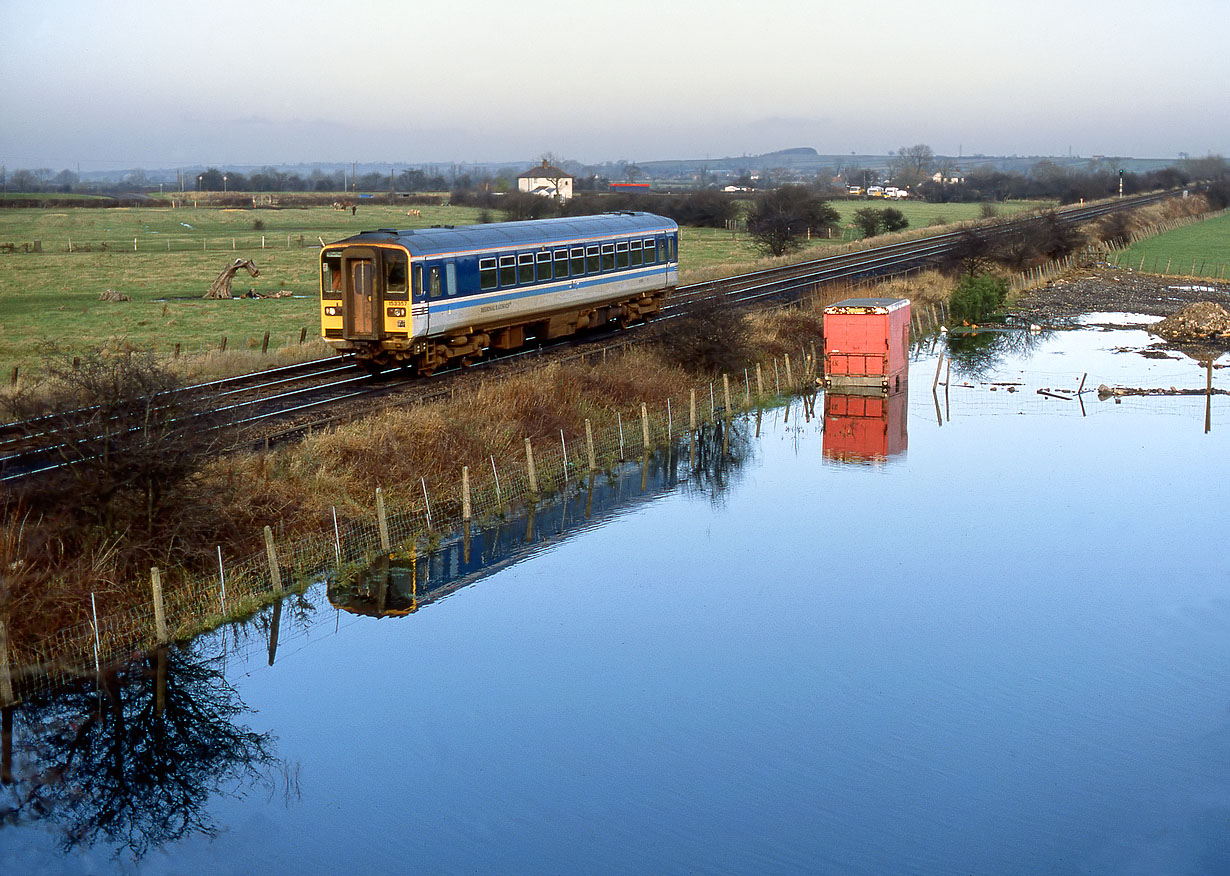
pixel 911 164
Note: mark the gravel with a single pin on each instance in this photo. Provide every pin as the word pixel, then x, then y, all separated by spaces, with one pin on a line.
pixel 1111 290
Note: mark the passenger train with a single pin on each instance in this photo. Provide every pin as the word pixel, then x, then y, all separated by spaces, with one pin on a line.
pixel 432 297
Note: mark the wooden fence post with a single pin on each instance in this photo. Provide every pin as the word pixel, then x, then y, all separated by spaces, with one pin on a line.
pixel 589 446
pixel 789 376
pixel 265 343
pixel 645 426
pixel 692 421
pixel 6 672
pixel 759 384
pixel 275 572
pixel 382 521
pixel 726 392
pixel 465 493
pixel 160 616
pixel 529 466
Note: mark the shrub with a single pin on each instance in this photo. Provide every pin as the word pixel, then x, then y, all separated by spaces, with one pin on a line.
pixel 710 338
pixel 893 219
pixel 977 297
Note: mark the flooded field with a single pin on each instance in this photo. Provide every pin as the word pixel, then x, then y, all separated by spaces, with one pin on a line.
pixel 980 630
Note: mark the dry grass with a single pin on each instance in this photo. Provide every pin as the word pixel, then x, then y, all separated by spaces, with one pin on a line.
pixel 342 468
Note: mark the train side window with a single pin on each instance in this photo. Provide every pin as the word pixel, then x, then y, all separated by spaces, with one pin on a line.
pixel 508 271
pixel 670 249
pixel 487 274
pixel 525 268
pixel 417 274
pixel 578 262
pixel 608 256
pixel 561 264
pixel 450 278
pixel 544 266
pixel 331 276
pixel 396 281
pixel 621 254
pixel 650 253
pixel 591 259
pixel 636 253
pixel 433 281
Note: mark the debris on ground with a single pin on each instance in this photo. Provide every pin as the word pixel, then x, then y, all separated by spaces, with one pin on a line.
pixel 1105 392
pixel 112 295
pixel 1200 322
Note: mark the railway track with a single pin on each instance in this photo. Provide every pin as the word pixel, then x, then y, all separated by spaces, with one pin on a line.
pixel 282 403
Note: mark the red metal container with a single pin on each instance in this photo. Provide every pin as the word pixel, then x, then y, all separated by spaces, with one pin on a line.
pixel 864 428
pixel 867 345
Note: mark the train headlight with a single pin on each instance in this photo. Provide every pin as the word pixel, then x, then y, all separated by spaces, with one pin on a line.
pixel 396 311
pixel 333 311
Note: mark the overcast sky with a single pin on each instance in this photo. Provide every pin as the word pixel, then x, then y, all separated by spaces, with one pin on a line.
pixel 91 85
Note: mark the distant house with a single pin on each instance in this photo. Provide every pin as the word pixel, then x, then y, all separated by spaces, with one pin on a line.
pixel 546 180
pixel 948 177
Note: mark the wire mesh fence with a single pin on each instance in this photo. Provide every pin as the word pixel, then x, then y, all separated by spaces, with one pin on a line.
pixel 411 516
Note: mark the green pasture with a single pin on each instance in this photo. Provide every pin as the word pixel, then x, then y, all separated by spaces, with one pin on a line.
pixel 922 214
pixel 1199 250
pixel 55 264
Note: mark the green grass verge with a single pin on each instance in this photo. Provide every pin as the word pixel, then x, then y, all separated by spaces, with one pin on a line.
pixel 1199 250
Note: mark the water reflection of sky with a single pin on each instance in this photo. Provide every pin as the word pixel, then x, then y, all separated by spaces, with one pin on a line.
pixel 1003 652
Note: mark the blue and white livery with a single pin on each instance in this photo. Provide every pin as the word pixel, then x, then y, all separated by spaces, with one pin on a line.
pixel 427 297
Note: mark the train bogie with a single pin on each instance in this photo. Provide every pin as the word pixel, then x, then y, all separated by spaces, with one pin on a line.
pixel 431 297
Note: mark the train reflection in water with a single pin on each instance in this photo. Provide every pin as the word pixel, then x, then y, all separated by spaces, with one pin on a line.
pixel 401 583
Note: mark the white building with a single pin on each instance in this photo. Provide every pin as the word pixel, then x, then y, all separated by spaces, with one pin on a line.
pixel 546 180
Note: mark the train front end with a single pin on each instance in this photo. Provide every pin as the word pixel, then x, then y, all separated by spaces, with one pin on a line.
pixel 365 301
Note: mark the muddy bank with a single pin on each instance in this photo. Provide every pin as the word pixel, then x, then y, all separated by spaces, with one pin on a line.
pixel 1096 290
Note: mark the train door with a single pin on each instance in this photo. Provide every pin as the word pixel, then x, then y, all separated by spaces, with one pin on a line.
pixel 421 310
pixel 360 294
pixel 441 281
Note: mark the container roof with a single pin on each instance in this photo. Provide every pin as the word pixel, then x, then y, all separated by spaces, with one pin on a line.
pixel 876 305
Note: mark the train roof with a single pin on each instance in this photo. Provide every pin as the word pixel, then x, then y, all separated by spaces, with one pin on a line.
pixel 500 235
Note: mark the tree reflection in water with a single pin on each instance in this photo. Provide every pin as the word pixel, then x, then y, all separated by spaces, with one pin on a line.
pixel 134 761
pixel 976 355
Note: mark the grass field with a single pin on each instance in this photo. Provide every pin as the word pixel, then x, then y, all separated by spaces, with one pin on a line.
pixel 1199 250
pixel 55 263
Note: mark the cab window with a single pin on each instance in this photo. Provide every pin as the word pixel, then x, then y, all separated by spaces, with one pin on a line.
pixel 331 276
pixel 396 279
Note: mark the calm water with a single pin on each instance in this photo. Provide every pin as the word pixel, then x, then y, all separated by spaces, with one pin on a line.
pixel 987 633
